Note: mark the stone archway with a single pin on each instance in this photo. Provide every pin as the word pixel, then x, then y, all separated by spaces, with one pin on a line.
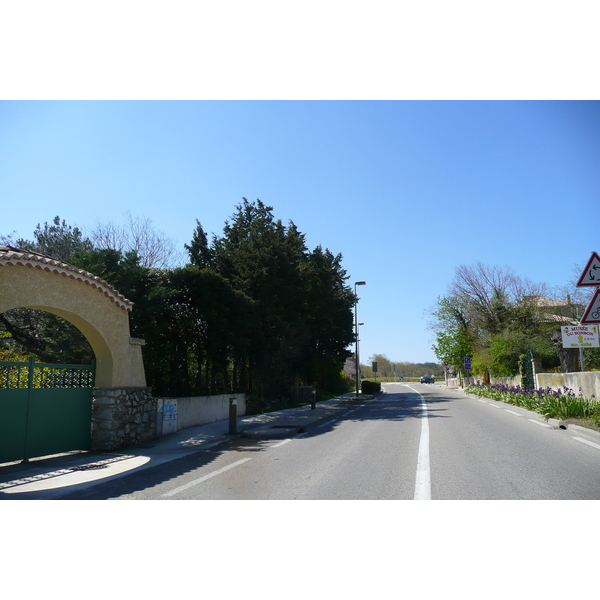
pixel 32 280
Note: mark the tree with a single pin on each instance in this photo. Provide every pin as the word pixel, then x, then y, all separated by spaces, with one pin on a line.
pixel 329 321
pixel 59 240
pixel 493 315
pixel 138 234
pixel 255 311
pixel 264 260
pixel 301 319
pixel 452 326
pixel 199 250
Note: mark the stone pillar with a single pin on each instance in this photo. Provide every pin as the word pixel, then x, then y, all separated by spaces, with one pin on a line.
pixel 122 417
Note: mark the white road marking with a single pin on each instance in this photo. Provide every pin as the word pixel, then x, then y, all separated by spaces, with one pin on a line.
pixel 480 400
pixel 539 423
pixel 512 412
pixel 423 479
pixel 586 442
pixel 281 443
pixel 326 423
pixel 494 405
pixel 182 488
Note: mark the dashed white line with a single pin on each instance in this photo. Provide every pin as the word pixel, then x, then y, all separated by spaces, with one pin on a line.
pixel 494 405
pixel 587 442
pixel 512 412
pixel 281 443
pixel 182 488
pixel 539 423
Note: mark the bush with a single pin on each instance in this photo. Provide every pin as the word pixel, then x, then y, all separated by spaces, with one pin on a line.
pixel 370 387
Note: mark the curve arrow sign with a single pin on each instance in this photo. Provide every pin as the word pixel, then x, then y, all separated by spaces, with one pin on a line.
pixel 591 273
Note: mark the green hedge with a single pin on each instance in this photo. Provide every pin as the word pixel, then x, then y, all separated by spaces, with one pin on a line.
pixel 370 387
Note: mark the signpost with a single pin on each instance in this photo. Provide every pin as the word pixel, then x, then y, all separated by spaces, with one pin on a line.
pixel 580 336
pixel 590 276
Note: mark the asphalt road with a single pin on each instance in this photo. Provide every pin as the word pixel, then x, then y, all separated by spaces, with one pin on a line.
pixel 413 442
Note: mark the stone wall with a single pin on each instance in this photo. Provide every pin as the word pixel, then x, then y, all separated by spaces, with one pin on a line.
pixel 588 382
pixel 478 380
pixel 122 417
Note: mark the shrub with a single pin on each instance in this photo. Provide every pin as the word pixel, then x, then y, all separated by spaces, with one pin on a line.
pixel 370 387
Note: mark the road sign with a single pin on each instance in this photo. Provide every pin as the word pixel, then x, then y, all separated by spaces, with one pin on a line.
pixel 580 336
pixel 592 312
pixel 591 273
pixel 467 363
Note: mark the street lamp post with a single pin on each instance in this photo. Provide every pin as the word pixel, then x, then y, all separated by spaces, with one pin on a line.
pixel 357 364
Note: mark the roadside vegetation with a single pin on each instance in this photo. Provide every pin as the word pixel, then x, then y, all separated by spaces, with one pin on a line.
pixel 563 404
pixel 496 317
pixel 252 310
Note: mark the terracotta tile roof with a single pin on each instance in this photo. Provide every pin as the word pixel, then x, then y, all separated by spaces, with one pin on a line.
pixel 10 256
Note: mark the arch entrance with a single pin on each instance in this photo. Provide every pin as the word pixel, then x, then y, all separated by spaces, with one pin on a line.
pixel 46 408
pixel 33 280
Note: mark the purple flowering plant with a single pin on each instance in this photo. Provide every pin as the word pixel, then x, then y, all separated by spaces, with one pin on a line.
pixel 562 403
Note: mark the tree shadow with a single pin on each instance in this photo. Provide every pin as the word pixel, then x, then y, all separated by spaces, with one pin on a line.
pixel 392 407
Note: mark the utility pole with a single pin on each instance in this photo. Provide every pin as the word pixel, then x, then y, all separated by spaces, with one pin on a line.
pixel 357 363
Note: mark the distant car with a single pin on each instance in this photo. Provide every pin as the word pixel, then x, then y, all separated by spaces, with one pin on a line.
pixel 427 379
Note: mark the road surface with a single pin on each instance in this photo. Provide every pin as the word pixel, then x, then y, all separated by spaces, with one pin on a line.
pixel 414 442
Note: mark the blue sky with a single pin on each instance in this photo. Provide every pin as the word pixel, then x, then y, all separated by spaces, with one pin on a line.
pixel 405 190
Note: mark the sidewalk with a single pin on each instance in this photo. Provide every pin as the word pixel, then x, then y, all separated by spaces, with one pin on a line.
pixel 51 477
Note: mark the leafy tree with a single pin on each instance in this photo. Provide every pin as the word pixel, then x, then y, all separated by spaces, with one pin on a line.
pixel 48 337
pixel 301 321
pixel 494 316
pixel 329 321
pixel 255 311
pixel 199 250
pixel 454 333
pixel 263 259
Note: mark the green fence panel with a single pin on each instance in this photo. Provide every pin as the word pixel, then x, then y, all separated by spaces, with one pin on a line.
pixel 44 409
pixel 59 421
pixel 13 419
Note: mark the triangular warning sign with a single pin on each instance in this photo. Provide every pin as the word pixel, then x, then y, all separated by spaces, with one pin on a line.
pixel 591 273
pixel 592 312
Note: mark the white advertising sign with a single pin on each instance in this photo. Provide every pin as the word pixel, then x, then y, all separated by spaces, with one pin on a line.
pixel 580 336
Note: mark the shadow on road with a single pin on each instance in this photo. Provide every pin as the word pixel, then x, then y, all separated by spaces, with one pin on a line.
pixel 395 406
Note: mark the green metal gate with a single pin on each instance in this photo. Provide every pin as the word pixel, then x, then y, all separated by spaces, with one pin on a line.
pixel 44 409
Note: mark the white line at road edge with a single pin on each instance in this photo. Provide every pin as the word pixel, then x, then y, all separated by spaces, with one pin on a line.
pixel 586 442
pixel 181 488
pixel 423 480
